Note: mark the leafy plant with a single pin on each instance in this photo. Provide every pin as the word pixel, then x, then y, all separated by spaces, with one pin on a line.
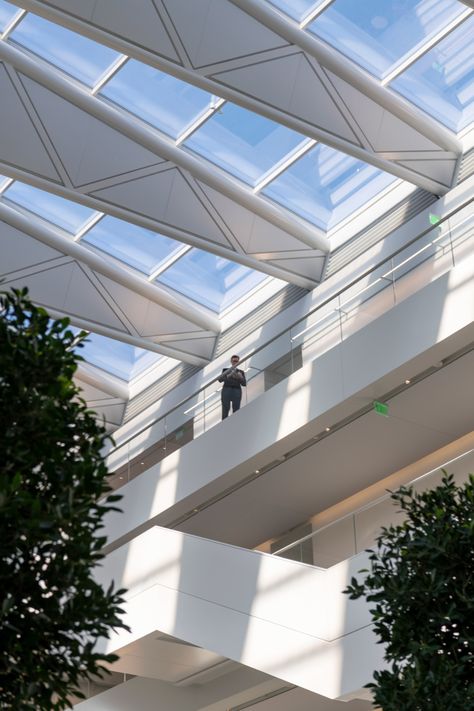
pixel 53 497
pixel 422 583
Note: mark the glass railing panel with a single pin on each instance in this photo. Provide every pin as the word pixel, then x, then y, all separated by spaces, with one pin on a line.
pixel 325 547
pixel 366 300
pixel 359 530
pixel 431 254
pixel 368 522
pixel 319 332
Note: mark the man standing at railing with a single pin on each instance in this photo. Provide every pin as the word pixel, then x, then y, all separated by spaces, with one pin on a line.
pixel 233 379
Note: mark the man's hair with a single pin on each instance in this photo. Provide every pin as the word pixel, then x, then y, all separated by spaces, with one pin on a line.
pixel 235 356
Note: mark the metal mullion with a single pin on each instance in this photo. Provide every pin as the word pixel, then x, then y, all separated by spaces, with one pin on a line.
pixel 285 163
pixel 193 127
pixel 109 73
pixel 169 262
pixel 444 32
pixel 312 14
pixel 88 226
pixel 8 182
pixel 13 23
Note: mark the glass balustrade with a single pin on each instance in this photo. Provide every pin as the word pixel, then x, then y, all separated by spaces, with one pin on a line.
pixel 434 252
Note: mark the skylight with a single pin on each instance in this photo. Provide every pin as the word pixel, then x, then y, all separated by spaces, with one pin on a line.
pixel 80 57
pixel 210 280
pixel 67 215
pixel 119 359
pixel 243 143
pixel 139 248
pixel 379 35
pixel 7 13
pixel 441 81
pixel 297 9
pixel 325 186
pixel 158 98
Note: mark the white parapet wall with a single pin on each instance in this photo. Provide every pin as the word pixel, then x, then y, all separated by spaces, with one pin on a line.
pixel 286 619
pixel 416 333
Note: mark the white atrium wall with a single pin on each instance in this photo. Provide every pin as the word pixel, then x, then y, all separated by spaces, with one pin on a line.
pixel 414 335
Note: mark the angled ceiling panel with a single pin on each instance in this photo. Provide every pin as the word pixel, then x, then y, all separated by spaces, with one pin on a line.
pixel 19 251
pixel 145 315
pixel 301 94
pixel 253 234
pixel 221 38
pixel 169 198
pixel 214 31
pixel 140 21
pixel 29 152
pixel 203 347
pixel 310 266
pixel 89 150
pixel 384 131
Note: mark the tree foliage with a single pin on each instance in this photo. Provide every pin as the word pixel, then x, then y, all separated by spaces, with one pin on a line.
pixel 53 497
pixel 421 580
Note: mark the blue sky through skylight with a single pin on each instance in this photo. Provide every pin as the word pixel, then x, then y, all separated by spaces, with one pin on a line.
pixel 297 9
pixel 136 246
pixel 160 99
pixel 7 13
pixel 213 281
pixel 325 186
pixel 70 216
pixel 120 359
pixel 244 143
pixel 442 81
pixel 78 56
pixel 378 35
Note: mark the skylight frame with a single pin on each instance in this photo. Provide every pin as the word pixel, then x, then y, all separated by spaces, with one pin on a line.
pixel 406 59
pixel 47 57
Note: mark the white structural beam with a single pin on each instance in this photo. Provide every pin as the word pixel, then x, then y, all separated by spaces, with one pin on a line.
pixel 335 62
pixel 178 305
pixel 162 147
pixel 225 78
pixel 137 341
pixel 106 382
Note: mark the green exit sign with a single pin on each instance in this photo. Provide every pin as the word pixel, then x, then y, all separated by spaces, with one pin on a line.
pixel 381 408
pixel 434 219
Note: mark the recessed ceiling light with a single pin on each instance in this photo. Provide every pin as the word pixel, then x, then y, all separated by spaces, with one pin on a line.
pixel 407 381
pixel 328 429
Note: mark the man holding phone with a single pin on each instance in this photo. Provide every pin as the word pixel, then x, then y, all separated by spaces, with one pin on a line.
pixel 233 379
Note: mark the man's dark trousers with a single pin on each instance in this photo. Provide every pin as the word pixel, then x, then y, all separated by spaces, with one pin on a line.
pixel 228 396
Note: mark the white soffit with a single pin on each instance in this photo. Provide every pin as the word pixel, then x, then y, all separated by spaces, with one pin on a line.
pixel 240 49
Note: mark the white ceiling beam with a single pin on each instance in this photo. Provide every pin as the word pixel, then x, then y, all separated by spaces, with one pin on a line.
pixel 101 380
pixel 137 341
pixel 346 70
pixel 143 221
pixel 176 304
pixel 324 54
pixel 162 147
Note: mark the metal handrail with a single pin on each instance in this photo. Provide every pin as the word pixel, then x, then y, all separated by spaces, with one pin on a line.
pixel 302 318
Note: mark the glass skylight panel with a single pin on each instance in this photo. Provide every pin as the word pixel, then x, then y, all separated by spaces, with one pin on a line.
pixel 77 55
pixel 297 9
pixel 120 359
pixel 325 186
pixel 160 99
pixel 442 81
pixel 243 143
pixel 140 248
pixel 213 281
pixel 7 13
pixel 380 34
pixel 65 214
